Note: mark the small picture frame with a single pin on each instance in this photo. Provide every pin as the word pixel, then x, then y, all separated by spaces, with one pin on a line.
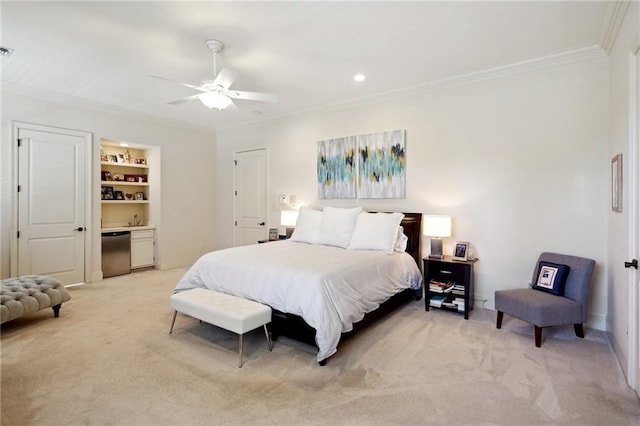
pixel 461 251
pixel 121 159
pixel 139 195
pixel 105 175
pixel 113 158
pixel 118 195
pixel 616 183
pixel 131 178
pixel 273 234
pixel 107 192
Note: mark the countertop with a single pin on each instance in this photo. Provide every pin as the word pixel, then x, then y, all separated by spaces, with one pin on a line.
pixel 128 228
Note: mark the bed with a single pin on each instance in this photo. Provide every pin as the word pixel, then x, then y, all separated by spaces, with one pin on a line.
pixel 317 291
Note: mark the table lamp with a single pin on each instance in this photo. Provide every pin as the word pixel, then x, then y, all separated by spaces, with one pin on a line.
pixel 436 227
pixel 288 219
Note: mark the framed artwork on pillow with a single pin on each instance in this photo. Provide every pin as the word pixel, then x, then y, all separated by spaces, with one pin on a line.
pixel 461 251
pixel 616 183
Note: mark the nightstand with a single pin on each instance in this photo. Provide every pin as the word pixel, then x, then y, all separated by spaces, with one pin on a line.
pixel 452 289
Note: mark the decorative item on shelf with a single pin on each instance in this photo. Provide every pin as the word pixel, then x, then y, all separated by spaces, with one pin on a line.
pixel 437 227
pixel 131 178
pixel 119 195
pixel 127 156
pixel 121 158
pixel 288 219
pixel 140 160
pixel 139 195
pixel 119 177
pixel 113 158
pixel 105 175
pixel 128 196
pixel 142 178
pixel 103 156
pixel 461 251
pixel 107 192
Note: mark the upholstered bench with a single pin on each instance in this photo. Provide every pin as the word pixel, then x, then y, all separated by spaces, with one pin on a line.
pixel 30 293
pixel 222 310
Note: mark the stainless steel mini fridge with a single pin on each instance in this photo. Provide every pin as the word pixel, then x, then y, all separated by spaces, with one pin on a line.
pixel 116 253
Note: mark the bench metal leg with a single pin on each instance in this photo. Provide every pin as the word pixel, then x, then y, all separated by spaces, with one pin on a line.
pixel 269 343
pixel 240 344
pixel 174 321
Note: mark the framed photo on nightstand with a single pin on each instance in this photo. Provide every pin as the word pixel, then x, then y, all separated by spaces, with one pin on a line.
pixel 461 251
pixel 273 234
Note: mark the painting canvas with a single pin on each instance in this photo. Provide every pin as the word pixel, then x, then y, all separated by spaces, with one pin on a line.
pixel 381 166
pixel 337 168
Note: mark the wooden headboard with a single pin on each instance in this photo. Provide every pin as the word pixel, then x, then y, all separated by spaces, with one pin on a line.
pixel 412 225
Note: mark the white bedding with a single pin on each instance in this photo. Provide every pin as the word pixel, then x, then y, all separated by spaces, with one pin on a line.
pixel 329 287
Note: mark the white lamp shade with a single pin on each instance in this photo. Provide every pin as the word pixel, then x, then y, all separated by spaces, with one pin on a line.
pixel 215 100
pixel 437 226
pixel 288 218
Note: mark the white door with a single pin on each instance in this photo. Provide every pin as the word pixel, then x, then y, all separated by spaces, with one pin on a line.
pixel 634 216
pixel 51 222
pixel 250 197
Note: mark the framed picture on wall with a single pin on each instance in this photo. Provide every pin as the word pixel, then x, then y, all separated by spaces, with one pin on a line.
pixel 616 183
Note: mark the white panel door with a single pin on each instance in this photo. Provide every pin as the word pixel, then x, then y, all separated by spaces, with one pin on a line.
pixel 250 197
pixel 51 204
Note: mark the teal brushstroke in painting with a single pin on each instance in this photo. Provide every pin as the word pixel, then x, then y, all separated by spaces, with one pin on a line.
pixel 377 165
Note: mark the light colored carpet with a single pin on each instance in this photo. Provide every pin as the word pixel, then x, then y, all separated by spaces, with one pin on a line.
pixel 109 359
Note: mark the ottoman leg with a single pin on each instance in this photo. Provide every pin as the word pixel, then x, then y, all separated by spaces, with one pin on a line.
pixel 266 332
pixel 56 310
pixel 174 321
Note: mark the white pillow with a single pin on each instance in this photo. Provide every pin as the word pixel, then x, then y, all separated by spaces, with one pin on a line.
pixel 308 225
pixel 401 241
pixel 376 231
pixel 337 226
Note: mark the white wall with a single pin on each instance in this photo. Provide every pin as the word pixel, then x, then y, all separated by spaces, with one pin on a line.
pixel 188 158
pixel 618 276
pixel 520 163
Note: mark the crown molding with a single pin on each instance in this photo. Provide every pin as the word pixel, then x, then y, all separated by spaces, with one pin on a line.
pixel 590 53
pixel 614 15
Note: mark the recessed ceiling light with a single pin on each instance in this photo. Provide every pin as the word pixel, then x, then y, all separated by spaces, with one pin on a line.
pixel 5 51
pixel 359 78
pixel 124 144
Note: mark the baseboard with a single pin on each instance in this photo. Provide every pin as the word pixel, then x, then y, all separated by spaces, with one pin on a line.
pixel 96 276
pixel 597 322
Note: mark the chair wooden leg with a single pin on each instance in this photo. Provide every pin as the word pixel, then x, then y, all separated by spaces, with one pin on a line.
pixel 579 330
pixel 499 319
pixel 538 335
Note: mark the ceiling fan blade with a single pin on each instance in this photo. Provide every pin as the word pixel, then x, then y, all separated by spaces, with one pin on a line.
pixel 225 78
pixel 191 86
pixel 232 107
pixel 252 96
pixel 183 100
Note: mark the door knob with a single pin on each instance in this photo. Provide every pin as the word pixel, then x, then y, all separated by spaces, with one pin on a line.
pixel 262 224
pixel 79 229
pixel 632 264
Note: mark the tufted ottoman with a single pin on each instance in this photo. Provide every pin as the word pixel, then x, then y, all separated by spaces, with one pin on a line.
pixel 30 293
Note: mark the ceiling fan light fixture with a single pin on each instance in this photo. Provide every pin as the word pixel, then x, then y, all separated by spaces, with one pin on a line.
pixel 215 100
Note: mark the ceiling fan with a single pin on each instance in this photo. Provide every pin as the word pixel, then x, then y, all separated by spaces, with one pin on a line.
pixel 216 93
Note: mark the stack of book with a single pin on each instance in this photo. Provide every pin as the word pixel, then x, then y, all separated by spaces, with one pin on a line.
pixel 458 289
pixel 436 301
pixel 459 303
pixel 441 287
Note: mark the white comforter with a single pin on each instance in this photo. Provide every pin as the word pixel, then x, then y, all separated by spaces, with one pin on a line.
pixel 329 287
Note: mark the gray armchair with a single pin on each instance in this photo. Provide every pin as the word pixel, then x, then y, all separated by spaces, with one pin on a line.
pixel 543 309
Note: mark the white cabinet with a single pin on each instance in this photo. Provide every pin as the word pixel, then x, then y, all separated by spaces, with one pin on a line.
pixel 142 248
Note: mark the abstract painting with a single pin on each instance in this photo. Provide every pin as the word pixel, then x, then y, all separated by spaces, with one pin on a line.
pixel 337 168
pixel 381 168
